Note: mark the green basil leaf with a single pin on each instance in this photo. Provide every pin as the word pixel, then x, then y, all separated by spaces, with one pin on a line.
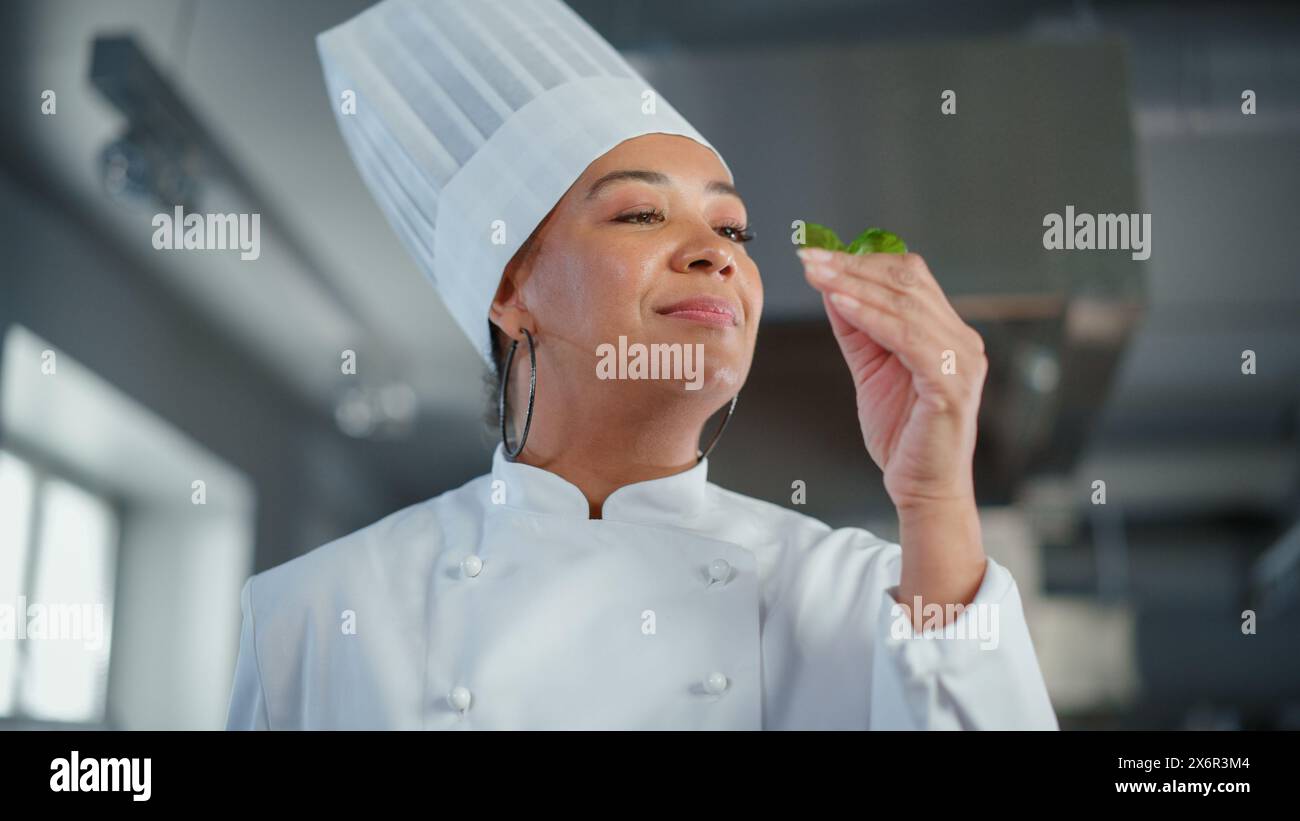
pixel 877 241
pixel 819 236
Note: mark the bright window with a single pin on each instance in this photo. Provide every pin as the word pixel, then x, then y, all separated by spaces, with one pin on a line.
pixel 58 544
pixel 16 486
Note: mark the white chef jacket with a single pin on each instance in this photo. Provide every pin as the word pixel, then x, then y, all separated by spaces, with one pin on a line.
pixel 538 617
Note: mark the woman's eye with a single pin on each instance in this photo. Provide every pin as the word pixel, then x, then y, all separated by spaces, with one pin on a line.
pixel 739 233
pixel 640 217
pixel 735 233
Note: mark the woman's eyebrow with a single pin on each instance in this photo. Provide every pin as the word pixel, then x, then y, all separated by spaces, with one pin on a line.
pixel 655 178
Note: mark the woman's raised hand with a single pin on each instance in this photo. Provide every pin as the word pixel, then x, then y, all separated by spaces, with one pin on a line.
pixel 918 370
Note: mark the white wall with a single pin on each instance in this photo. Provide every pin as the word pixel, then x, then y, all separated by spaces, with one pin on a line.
pixel 177 618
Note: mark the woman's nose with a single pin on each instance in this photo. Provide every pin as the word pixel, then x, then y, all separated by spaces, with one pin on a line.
pixel 708 259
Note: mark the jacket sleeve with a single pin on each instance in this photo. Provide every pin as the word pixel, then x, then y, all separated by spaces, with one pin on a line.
pixel 978 672
pixel 247 709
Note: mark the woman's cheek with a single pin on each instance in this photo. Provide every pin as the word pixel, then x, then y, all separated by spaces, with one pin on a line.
pixel 628 278
pixel 564 287
pixel 598 306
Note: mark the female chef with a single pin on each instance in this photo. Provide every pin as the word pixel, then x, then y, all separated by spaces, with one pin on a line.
pixel 595 578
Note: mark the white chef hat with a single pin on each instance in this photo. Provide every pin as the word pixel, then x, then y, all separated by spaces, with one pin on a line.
pixel 472 111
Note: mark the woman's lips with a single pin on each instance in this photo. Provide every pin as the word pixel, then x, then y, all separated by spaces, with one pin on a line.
pixel 707 310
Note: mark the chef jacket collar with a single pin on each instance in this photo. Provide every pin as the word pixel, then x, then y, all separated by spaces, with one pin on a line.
pixel 656 501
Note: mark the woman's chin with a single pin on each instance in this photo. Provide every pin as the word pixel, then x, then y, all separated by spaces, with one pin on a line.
pixel 679 364
pixel 716 382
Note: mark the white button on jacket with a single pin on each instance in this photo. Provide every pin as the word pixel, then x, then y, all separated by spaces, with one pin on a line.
pixel 564 622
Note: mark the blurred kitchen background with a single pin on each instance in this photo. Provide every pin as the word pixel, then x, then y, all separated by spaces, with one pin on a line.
pixel 135 383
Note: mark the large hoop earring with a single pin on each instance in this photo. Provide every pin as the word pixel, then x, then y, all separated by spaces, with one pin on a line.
pixel 718 435
pixel 532 394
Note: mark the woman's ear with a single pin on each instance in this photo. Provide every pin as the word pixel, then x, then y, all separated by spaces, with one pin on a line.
pixel 508 311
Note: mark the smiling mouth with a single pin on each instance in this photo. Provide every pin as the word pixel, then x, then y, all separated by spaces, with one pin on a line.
pixel 704 310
